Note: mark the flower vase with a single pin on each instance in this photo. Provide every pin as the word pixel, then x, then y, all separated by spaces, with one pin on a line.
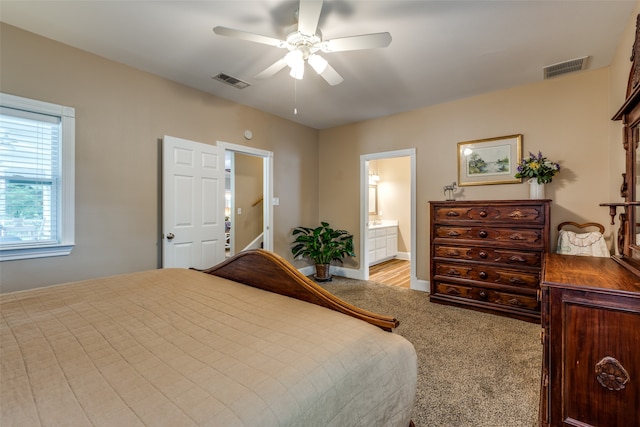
pixel 536 191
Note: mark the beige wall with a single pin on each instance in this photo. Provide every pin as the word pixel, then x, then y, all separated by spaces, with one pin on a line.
pixel 394 195
pixel 248 225
pixel 121 113
pixel 567 118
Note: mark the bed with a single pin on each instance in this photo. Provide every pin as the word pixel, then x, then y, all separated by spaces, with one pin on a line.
pixel 250 342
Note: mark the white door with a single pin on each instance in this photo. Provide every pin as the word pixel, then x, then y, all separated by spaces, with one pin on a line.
pixel 192 204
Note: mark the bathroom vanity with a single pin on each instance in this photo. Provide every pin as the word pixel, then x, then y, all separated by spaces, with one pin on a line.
pixel 383 241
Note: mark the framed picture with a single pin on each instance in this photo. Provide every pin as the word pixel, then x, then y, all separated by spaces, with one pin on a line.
pixel 489 161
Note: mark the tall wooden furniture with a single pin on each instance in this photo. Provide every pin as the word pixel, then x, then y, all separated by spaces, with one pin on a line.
pixel 487 255
pixel 629 113
pixel 591 341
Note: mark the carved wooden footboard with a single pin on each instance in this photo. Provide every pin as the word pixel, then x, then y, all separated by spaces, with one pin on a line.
pixel 269 271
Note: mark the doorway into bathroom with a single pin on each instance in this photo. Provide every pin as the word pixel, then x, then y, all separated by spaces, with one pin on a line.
pixel 389 217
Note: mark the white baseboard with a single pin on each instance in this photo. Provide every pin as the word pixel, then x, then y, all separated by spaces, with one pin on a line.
pixel 406 256
pixel 308 270
pixel 421 285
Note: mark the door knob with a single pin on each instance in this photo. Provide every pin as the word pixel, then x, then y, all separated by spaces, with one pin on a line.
pixel 170 236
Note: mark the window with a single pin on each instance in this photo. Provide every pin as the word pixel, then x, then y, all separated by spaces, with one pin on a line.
pixel 37 142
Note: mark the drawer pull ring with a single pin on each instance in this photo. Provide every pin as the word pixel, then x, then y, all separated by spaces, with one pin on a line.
pixel 483 234
pixel 453 233
pixel 611 374
pixel 483 275
pixel 517 258
pixel 453 213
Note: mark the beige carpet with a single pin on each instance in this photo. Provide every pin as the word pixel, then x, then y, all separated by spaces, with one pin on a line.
pixel 474 369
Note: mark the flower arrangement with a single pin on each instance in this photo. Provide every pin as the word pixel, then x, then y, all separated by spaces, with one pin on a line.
pixel 538 167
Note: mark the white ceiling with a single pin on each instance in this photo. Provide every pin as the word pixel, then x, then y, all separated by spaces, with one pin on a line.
pixel 441 50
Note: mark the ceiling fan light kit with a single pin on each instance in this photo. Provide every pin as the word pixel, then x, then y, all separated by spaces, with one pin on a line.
pixel 305 42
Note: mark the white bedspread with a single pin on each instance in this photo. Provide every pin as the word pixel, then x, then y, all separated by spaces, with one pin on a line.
pixel 179 348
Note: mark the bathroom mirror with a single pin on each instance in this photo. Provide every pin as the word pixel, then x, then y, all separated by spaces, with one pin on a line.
pixel 373 200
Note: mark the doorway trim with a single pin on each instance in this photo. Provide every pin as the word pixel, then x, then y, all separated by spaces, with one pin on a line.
pixel 267 182
pixel 364 209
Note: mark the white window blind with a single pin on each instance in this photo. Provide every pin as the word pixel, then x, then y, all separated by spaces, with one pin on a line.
pixel 34 194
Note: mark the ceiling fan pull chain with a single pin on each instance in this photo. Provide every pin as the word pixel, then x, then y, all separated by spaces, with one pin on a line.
pixel 295 97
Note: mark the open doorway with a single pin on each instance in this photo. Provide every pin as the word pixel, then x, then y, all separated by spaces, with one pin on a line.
pixel 248 195
pixel 388 217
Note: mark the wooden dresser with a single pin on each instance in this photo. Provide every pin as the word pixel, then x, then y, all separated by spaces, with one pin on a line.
pixel 488 254
pixel 591 341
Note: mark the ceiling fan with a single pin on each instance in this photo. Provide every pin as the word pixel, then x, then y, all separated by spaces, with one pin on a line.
pixel 305 43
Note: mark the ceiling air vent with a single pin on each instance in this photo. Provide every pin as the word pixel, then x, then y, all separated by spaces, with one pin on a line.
pixel 232 81
pixel 565 67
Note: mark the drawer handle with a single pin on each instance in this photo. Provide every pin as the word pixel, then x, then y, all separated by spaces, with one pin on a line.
pixel 483 274
pixel 516 258
pixel 453 272
pixel 483 234
pixel 611 374
pixel 517 281
pixel 453 253
pixel 483 214
pixel 483 294
pixel 517 236
pixel 453 233
pixel 453 291
pixel 482 254
pixel 453 213
pixel 514 301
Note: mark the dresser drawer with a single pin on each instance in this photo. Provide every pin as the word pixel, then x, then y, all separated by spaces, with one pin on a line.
pixel 494 255
pixel 488 274
pixel 490 214
pixel 519 237
pixel 487 295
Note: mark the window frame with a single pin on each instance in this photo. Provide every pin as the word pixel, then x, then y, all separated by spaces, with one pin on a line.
pixel 66 204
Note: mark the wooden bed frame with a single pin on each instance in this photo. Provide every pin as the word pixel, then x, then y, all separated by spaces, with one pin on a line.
pixel 266 270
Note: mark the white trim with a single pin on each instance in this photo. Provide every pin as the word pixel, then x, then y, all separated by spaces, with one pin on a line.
pixel 66 207
pixel 363 271
pixel 27 253
pixel 267 179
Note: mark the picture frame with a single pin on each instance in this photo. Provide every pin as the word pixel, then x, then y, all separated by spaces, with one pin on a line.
pixel 489 161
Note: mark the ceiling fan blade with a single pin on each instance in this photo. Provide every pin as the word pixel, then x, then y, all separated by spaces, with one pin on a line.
pixel 230 32
pixel 308 16
pixel 365 41
pixel 331 76
pixel 272 69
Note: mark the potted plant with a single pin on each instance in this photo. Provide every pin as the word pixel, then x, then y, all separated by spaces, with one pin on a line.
pixel 322 245
pixel 539 170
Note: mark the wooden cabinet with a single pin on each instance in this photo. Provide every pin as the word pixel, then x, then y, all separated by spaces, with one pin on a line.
pixel 488 255
pixel 591 342
pixel 383 243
